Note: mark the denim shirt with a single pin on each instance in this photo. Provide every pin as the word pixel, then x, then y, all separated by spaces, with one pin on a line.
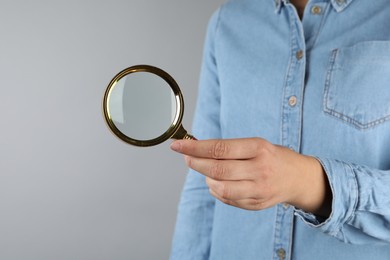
pixel 320 86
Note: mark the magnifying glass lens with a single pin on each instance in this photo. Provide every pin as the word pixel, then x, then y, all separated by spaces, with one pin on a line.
pixel 142 105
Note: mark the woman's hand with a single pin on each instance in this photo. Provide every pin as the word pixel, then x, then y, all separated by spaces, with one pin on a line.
pixel 254 174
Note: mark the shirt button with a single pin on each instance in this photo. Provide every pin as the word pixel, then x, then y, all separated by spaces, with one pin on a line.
pixel 292 101
pixel 286 205
pixel 316 9
pixel 299 54
pixel 281 253
pixel 340 2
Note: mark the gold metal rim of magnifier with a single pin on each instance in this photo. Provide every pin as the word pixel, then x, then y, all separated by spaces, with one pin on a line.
pixel 175 131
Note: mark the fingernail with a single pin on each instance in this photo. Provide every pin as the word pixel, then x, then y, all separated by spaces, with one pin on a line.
pixel 176 145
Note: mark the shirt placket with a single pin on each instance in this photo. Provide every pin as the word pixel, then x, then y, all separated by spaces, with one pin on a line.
pixel 291 126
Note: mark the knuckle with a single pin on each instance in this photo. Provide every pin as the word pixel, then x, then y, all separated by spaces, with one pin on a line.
pixel 224 191
pixel 218 171
pixel 258 204
pixel 266 174
pixel 263 147
pixel 219 149
pixel 188 161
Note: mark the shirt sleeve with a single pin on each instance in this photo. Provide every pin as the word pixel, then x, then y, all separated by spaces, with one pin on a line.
pixel 360 207
pixel 192 236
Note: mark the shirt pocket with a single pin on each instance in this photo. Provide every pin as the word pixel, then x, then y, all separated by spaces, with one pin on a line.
pixel 357 87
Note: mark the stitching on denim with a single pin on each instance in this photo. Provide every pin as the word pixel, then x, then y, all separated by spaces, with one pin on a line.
pixel 356 123
pixel 287 79
pixel 338 115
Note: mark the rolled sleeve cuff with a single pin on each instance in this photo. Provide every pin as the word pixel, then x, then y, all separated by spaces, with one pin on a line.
pixel 343 184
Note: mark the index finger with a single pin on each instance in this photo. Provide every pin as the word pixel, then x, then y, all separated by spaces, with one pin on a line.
pixel 243 148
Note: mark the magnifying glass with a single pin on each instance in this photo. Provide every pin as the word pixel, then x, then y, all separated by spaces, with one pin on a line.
pixel 143 106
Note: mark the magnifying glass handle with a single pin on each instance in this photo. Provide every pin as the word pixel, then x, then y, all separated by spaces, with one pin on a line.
pixel 189 137
pixel 181 133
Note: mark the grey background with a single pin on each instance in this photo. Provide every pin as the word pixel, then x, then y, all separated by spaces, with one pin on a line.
pixel 68 188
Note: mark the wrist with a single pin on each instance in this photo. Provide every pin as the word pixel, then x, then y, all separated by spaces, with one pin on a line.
pixel 313 193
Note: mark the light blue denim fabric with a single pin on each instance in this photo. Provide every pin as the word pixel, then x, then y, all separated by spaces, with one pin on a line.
pixel 336 63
